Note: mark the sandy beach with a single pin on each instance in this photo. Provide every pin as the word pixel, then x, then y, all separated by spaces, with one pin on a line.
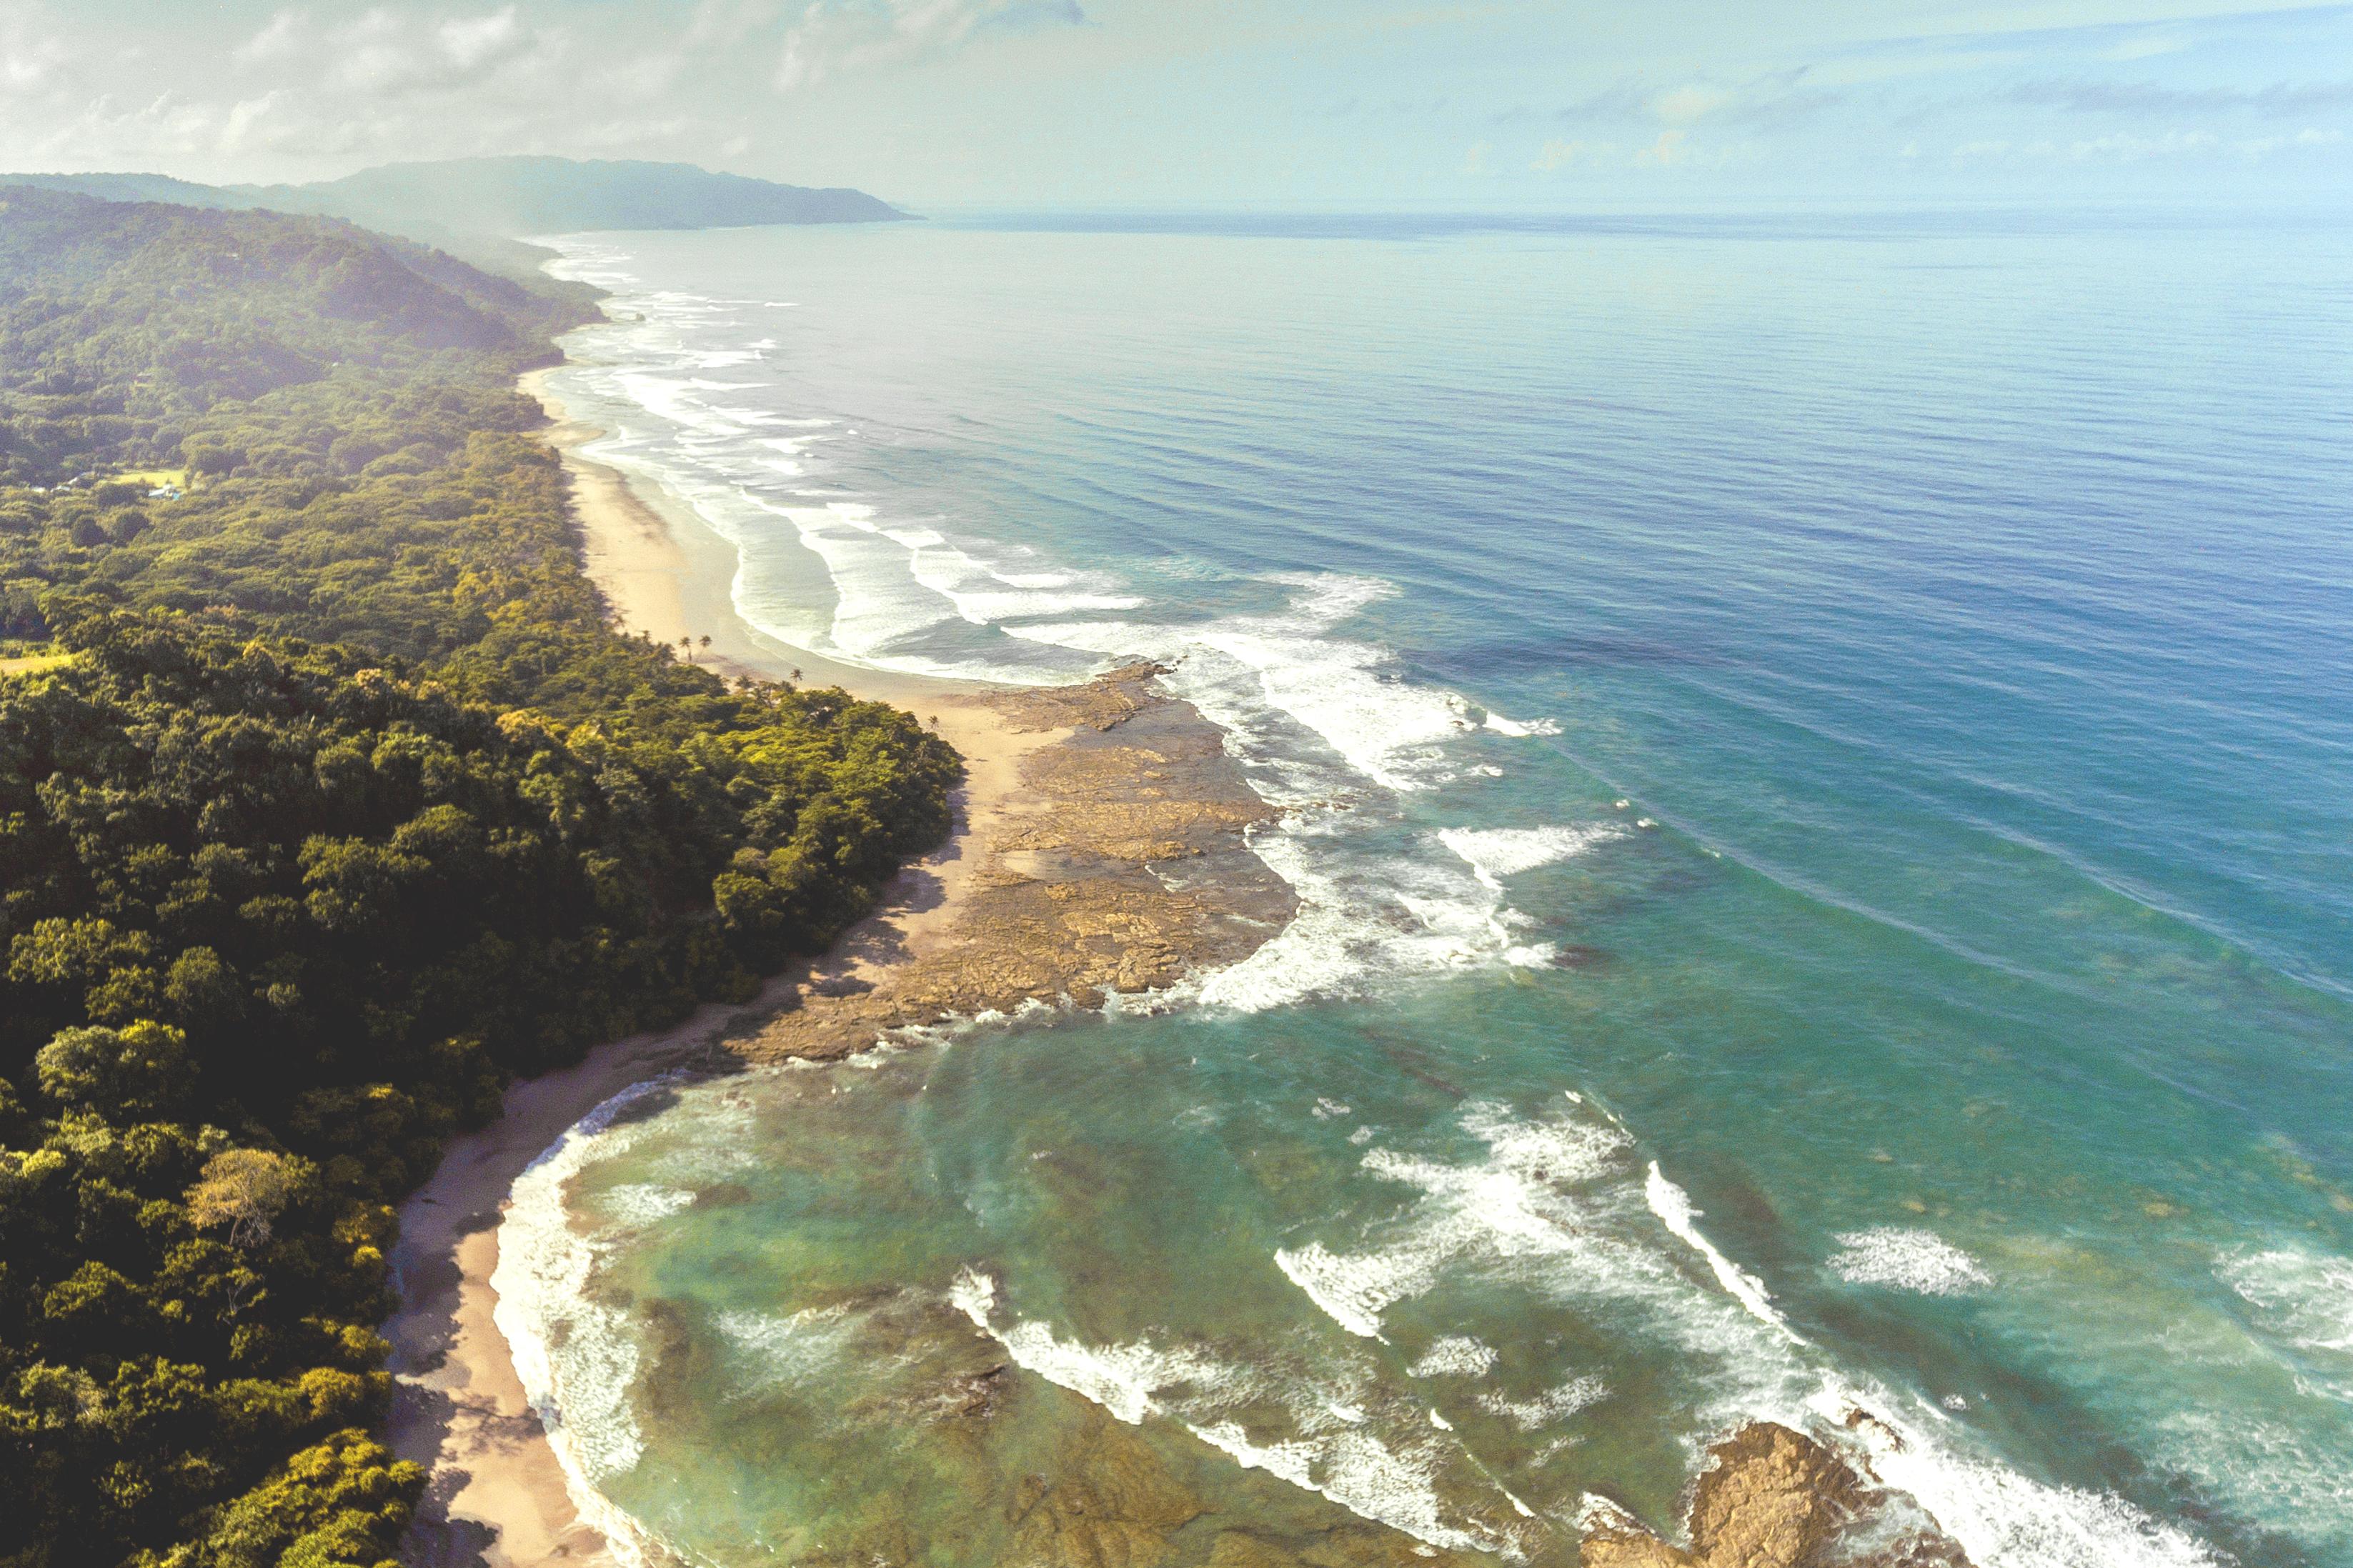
pixel 1045 892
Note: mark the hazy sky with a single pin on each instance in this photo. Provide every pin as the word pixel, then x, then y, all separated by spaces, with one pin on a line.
pixel 1359 103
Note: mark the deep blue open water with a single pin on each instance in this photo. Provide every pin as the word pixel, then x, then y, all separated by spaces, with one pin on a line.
pixel 1820 750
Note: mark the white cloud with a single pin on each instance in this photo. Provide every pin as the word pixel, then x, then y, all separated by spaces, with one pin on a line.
pixel 1689 102
pixel 28 61
pixel 473 42
pixel 2310 136
pixel 2147 47
pixel 281 38
pixel 1671 147
pixel 387 52
pixel 832 37
pixel 1557 154
pixel 244 116
pixel 2123 146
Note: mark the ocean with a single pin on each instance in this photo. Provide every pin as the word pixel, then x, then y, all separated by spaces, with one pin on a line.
pixel 1815 752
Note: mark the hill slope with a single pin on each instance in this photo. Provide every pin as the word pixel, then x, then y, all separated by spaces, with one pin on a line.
pixel 476 208
pixel 120 319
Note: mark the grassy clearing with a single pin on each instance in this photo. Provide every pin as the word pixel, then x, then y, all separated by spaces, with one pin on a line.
pixel 33 664
pixel 156 478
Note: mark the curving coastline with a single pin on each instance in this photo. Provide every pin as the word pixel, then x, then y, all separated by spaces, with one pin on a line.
pixel 1100 848
pixel 1054 884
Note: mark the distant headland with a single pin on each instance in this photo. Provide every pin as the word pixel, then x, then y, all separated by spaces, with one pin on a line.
pixel 476 208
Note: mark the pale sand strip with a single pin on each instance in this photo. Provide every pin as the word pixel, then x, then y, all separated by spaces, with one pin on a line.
pixel 495 1487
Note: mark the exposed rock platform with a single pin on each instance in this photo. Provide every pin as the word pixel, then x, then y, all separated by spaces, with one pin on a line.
pixel 1117 863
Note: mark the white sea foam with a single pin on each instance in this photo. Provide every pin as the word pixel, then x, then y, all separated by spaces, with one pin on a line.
pixel 1548 1406
pixel 1292 1461
pixel 1264 675
pixel 974 1294
pixel 789 1347
pixel 1352 1291
pixel 1502 726
pixel 575 1356
pixel 1495 853
pixel 1122 1378
pixel 2301 1301
pixel 1365 1477
pixel 1454 1355
pixel 1397 1488
pixel 1389 730
pixel 643 1203
pixel 1333 1452
pixel 1595 1511
pixel 2303 1298
pixel 1673 1207
pixel 1505 1209
pixel 1998 1515
pixel 1554 1203
pixel 1903 1258
pixel 983 595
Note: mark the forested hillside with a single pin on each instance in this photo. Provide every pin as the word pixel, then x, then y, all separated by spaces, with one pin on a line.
pixel 345 807
pixel 122 324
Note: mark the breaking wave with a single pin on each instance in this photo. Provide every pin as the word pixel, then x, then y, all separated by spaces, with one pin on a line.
pixel 1328 726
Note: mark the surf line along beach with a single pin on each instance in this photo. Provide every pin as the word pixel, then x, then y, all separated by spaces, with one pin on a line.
pixel 1044 893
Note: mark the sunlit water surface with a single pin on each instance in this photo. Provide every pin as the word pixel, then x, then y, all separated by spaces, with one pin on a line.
pixel 1820 754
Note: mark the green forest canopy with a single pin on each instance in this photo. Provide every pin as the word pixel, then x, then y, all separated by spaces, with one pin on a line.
pixel 346 808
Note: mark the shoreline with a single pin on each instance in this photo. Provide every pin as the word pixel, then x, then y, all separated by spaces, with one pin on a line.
pixel 1048 890
pixel 1044 891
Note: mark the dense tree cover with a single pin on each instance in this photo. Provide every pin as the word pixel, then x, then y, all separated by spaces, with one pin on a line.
pixel 122 324
pixel 346 808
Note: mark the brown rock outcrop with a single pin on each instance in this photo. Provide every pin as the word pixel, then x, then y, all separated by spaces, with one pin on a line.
pixel 1773 1498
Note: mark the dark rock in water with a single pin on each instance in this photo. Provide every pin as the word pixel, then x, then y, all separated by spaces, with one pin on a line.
pixel 726 1195
pixel 972 1397
pixel 1772 1498
pixel 1116 1507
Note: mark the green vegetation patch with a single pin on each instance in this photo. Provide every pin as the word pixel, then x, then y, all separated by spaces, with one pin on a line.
pixel 337 806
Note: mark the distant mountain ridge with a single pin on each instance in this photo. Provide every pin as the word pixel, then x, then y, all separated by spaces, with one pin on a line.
pixel 524 195
pixel 478 207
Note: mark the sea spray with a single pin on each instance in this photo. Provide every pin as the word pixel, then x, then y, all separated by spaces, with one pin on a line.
pixel 581 1391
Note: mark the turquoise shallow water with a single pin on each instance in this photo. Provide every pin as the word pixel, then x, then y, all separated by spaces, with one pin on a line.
pixel 1827 883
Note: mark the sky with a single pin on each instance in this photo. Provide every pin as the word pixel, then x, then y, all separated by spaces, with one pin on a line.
pixel 1355 104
